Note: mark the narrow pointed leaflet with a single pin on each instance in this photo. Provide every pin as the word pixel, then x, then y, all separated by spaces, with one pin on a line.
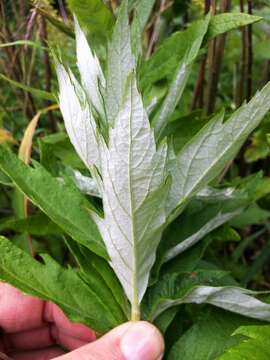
pixel 79 121
pixel 120 63
pixel 90 70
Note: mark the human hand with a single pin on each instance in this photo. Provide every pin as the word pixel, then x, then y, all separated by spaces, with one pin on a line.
pixel 36 330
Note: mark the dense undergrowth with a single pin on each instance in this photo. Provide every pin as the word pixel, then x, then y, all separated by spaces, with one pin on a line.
pixel 190 217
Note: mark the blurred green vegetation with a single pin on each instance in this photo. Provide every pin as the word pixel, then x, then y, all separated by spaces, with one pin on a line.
pixel 229 72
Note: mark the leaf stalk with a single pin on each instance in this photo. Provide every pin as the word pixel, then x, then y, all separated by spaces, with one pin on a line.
pixel 135 312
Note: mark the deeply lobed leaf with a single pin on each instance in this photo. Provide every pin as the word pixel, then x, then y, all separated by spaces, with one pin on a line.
pixel 254 341
pixel 207 153
pixel 62 203
pixel 134 194
pixel 209 336
pixel 89 302
pixel 201 287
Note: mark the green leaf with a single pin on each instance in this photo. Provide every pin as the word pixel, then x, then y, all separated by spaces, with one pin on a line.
pixel 209 336
pixel 21 240
pixel 165 319
pixel 90 303
pixel 210 209
pixel 239 251
pixel 160 66
pixel 5 180
pixel 184 128
pixel 180 44
pixel 143 9
pixel 180 77
pixel 89 262
pixel 63 204
pixel 204 157
pixel 263 50
pixel 39 225
pixel 58 24
pixel 222 23
pixel 263 189
pixel 202 223
pixel 41 94
pixel 55 148
pixel 259 146
pixel 207 211
pixel 226 234
pixel 254 344
pixel 203 287
pixel 93 15
pixel 253 215
pixel 255 268
pixel 136 38
pixel 199 218
pixel 189 260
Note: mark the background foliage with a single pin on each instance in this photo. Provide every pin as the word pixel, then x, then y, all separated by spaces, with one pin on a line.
pixel 229 72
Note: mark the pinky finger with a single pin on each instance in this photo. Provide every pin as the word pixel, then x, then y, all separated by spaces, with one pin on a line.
pixel 4 357
pixel 46 354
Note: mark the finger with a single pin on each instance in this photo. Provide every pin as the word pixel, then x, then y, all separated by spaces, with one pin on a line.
pixel 4 357
pixel 29 340
pixel 46 354
pixel 67 341
pixel 19 312
pixel 40 338
pixel 2 347
pixel 66 333
pixel 131 341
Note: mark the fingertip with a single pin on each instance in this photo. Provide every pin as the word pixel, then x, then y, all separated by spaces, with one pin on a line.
pixel 142 340
pixel 130 341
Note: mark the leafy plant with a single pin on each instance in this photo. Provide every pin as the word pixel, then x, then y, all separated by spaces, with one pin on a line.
pixel 139 204
pixel 140 188
pixel 210 336
pixel 254 338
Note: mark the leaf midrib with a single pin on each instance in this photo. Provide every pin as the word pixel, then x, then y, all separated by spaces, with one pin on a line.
pixel 131 204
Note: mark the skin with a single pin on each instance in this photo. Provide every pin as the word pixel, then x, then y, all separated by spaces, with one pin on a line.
pixel 32 329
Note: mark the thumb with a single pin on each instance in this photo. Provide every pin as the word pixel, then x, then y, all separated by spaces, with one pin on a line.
pixel 131 341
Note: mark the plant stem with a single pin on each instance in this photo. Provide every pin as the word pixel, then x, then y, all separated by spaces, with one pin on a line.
pixel 48 71
pixel 241 87
pixel 30 25
pixel 215 61
pixel 211 68
pixel 197 99
pixel 155 30
pixel 135 305
pixel 135 311
pixel 249 54
pixel 62 10
pixel 198 94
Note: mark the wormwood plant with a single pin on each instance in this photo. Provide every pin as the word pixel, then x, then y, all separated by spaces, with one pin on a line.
pixel 149 195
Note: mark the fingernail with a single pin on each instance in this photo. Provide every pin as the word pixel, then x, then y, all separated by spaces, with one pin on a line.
pixel 142 341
